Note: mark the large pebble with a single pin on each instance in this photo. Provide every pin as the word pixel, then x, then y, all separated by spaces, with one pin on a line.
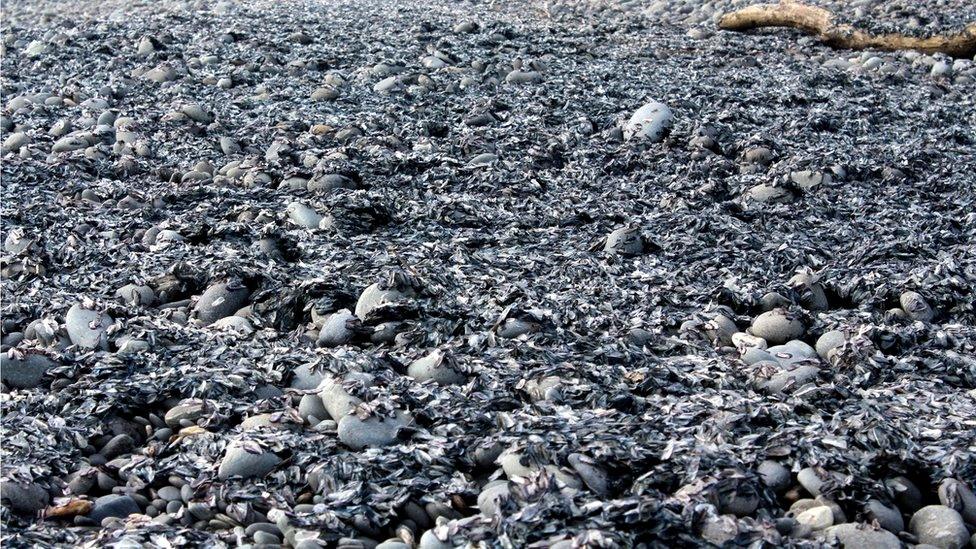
pixel 916 307
pixel 939 526
pixel 492 496
pixel 87 328
pixel 303 216
pixel 861 536
pixel 113 505
pixel 777 326
pixel 219 301
pixel 650 121
pixel 371 432
pixel 625 241
pixel 437 367
pixel 958 496
pixel 240 462
pixel 373 297
pixel 23 497
pixel 828 342
pixel 339 328
pixel 24 370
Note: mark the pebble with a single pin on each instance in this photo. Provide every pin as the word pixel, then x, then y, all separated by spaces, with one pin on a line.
pixel 625 241
pixel 777 326
pixel 388 84
pixel 70 143
pixel 303 216
pixel 19 370
pixel 775 476
pixel 238 461
pixel 905 493
pixel 373 298
pixel 916 307
pixel 956 495
pixel 86 328
pixel 492 496
pixel 861 536
pixel 651 121
pixel 817 518
pixel 330 182
pixel 219 301
pixel 339 328
pixel 188 410
pixel 888 517
pixel 136 295
pixel 113 505
pixel 764 193
pixel 829 341
pixel 939 526
pixel 523 77
pixel 23 497
pixel 14 142
pixel 371 432
pixel 336 400
pixel 117 446
pixel 437 367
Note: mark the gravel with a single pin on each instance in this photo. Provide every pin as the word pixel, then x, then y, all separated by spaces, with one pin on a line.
pixel 576 273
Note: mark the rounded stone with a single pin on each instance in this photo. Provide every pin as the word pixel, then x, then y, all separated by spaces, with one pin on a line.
pixel 828 342
pixel 371 432
pixel 339 328
pixel 625 241
pixel 816 518
pixel 86 328
pixel 23 497
pixel 492 496
pixel 939 526
pixel 775 476
pixel 916 307
pixel 651 121
pixel 861 536
pixel 24 370
pixel 437 367
pixel 888 517
pixel 113 505
pixel 219 301
pixel 238 462
pixel 777 326
pixel 958 496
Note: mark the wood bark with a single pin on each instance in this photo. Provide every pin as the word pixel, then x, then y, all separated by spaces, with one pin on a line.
pixel 823 24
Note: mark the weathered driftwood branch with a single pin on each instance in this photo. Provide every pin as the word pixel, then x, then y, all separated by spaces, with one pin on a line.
pixel 822 23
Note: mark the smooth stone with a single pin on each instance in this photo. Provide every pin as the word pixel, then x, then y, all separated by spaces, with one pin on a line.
pixel 625 241
pixel 861 536
pixel 136 295
pixel 117 446
pixel 239 462
pixel 229 146
pixel 754 355
pixel 371 432
pixel 303 216
pixel 326 93
pixel 816 518
pixel 774 475
pixel 69 143
pixel 651 121
pixel 812 294
pixel 939 526
pixel 264 421
pixel 777 326
pixel 113 505
pixel 23 497
pixel 310 406
pixel 169 493
pixel 306 378
pixel 523 77
pixel 794 378
pixel 219 301
pixel 905 493
pixel 492 496
pixel 188 410
pixel 916 307
pixel 592 475
pixel 335 399
pixel 769 194
pixel 25 372
pixel 86 328
pixel 888 517
pixel 236 324
pixel 330 182
pixel 373 298
pixel 956 495
pixel 720 328
pixel 809 179
pixel 388 84
pixel 339 328
pixel 14 142
pixel 810 480
pixel 828 342
pixel 436 367
pixel 429 540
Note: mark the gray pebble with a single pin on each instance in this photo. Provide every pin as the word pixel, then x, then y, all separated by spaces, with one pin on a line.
pixel 20 370
pixel 23 497
pixel 219 301
pixel 87 329
pixel 888 517
pixel 239 462
pixel 112 505
pixel 371 432
pixel 861 536
pixel 775 476
pixel 916 307
pixel 957 495
pixel 491 497
pixel 777 326
pixel 437 367
pixel 939 526
pixel 339 328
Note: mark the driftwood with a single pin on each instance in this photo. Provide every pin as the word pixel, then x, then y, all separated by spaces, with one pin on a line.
pixel 822 23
